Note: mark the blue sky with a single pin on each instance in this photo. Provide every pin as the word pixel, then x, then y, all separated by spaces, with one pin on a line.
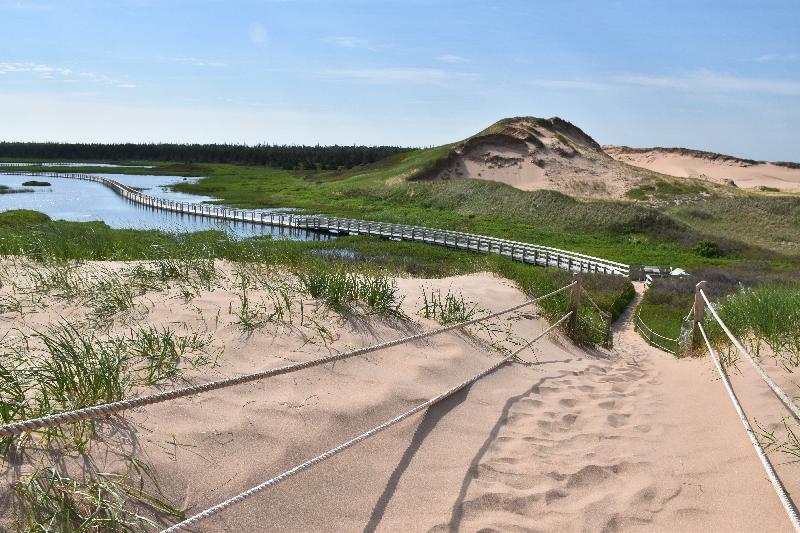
pixel 722 76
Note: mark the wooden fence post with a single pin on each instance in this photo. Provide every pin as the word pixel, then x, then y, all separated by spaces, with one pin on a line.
pixel 577 289
pixel 699 314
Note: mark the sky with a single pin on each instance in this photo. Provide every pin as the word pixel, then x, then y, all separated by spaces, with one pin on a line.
pixel 715 75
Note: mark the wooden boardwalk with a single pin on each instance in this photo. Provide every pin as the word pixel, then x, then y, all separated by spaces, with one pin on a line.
pixel 517 251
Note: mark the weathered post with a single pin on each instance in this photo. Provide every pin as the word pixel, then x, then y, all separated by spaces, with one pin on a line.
pixel 699 314
pixel 577 289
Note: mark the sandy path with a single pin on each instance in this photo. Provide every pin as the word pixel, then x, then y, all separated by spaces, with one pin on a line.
pixel 627 440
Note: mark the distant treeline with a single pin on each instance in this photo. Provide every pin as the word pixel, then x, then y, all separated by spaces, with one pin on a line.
pixel 280 156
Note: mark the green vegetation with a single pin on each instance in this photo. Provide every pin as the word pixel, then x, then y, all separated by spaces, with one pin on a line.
pixel 662 189
pixel 281 156
pixel 707 248
pixel 668 301
pixel 34 183
pixel 5 189
pixel 34 235
pixel 447 309
pixel 767 316
pixel 52 501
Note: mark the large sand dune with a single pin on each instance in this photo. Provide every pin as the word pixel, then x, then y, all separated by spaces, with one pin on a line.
pixel 626 440
pixel 713 167
pixel 531 153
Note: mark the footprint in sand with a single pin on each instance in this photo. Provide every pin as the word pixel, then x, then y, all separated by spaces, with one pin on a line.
pixel 568 402
pixel 617 420
pixel 609 404
pixel 569 419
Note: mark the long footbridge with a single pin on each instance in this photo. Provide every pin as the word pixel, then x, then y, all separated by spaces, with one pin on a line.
pixel 517 251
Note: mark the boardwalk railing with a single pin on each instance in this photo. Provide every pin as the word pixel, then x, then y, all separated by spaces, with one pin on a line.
pixel 517 251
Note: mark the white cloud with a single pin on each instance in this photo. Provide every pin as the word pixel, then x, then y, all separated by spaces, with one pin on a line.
pixel 706 80
pixel 451 58
pixel 258 34
pixel 23 67
pixel 197 62
pixel 349 42
pixel 397 74
pixel 766 58
pixel 38 71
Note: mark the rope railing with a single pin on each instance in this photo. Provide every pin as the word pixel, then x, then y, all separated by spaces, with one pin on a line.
pixel 517 251
pixel 355 440
pixel 107 409
pixel 786 501
pixel 782 396
pixel 649 334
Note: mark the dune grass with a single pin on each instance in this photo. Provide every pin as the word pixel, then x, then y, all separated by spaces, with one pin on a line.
pixel 451 308
pixel 49 500
pixel 763 317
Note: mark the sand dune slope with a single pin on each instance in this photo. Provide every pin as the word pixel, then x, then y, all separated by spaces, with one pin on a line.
pixel 623 440
pixel 717 168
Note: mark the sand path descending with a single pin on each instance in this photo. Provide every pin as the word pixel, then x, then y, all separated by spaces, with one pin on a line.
pixel 627 440
pixel 638 441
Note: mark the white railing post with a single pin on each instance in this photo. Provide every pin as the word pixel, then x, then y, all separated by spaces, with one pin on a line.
pixel 699 312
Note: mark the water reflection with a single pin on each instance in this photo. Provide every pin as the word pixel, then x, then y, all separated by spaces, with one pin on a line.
pixel 82 201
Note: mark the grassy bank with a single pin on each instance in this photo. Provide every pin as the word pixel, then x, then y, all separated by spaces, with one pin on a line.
pixel 668 301
pixel 33 234
pixel 666 233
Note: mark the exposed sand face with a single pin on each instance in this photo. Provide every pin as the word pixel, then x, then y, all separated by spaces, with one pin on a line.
pixel 745 174
pixel 531 157
pixel 626 440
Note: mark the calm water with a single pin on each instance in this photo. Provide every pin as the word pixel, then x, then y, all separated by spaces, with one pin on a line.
pixel 82 201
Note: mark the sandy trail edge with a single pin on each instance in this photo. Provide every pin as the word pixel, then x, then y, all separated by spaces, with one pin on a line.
pixel 627 440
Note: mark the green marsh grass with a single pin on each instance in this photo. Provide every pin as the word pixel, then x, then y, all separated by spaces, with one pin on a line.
pixel 767 316
pixel 343 290
pixel 158 352
pixel 448 309
pixel 108 296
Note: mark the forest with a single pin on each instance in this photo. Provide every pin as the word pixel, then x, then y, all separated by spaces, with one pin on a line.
pixel 280 156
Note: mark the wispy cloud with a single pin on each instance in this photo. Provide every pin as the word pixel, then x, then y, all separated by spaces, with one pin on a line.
pixel 398 74
pixel 767 58
pixel 345 41
pixel 568 84
pixel 23 67
pixel 451 58
pixel 706 80
pixel 31 70
pixel 197 62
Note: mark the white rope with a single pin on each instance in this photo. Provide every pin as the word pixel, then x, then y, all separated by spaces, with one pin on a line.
pixel 787 502
pixel 542 334
pixel 782 396
pixel 639 318
pixel 364 436
pixel 102 410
